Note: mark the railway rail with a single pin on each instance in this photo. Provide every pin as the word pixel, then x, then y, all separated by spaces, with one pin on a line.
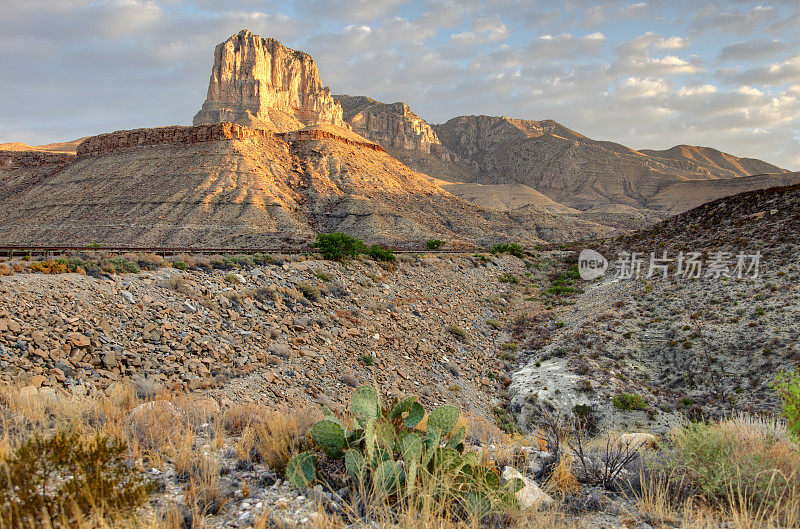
pixel 55 251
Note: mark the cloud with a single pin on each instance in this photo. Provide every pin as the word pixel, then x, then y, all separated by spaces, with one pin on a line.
pixel 737 21
pixel 484 30
pixel 754 50
pixel 683 72
pixel 548 47
pixel 775 74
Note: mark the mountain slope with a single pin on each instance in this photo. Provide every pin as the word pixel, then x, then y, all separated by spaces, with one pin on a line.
pixel 226 185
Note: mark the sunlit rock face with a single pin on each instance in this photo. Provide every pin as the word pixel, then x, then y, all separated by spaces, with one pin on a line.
pixel 260 83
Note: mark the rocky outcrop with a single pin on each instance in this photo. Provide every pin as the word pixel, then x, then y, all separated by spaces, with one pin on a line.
pixel 260 83
pixel 126 139
pixel 393 125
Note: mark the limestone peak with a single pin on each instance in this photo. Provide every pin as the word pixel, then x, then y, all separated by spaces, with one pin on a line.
pixel 260 83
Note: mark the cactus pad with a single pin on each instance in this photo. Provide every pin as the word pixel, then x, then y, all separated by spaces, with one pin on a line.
pixel 443 419
pixel 301 470
pixel 330 435
pixel 365 403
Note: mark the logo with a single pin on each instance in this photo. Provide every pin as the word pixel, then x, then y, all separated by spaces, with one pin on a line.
pixel 591 264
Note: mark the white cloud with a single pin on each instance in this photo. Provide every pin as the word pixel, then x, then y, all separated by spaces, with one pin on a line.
pixel 775 74
pixel 754 50
pixel 548 47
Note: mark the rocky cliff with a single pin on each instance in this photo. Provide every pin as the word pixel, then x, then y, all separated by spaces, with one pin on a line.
pixel 260 83
pixel 590 175
pixel 393 125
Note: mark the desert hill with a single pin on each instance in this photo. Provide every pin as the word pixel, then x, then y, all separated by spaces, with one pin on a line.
pixel 609 182
pixel 227 185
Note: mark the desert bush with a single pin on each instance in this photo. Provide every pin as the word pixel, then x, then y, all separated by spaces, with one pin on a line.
pixel 180 265
pixel 434 244
pixel 513 249
pixel 458 332
pixel 49 481
pixel 736 463
pixel 5 270
pixel 380 253
pixel 122 265
pixel 787 385
pixel 336 246
pixel 494 324
pixel 309 291
pixel 508 278
pixel 389 461
pixel 629 402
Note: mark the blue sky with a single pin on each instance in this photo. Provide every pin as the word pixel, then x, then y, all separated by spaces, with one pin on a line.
pixel 649 74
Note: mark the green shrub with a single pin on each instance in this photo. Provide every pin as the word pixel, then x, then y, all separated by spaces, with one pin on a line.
pixel 336 246
pixel 741 461
pixel 123 265
pixel 434 244
pixel 494 324
pixel 513 249
pixel 508 278
pixel 509 346
pixel 629 402
pixel 390 462
pixel 45 482
pixel 504 420
pixel 180 265
pixel 787 384
pixel 458 332
pixel 380 253
pixel 309 291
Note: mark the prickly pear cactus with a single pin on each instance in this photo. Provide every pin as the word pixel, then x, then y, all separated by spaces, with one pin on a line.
pixel 456 441
pixel 365 403
pixel 355 464
pixel 387 477
pixel 443 419
pixel 301 470
pixel 330 435
pixel 409 410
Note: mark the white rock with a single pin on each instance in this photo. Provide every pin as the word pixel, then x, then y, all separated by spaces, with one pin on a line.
pixel 530 496
pixel 128 296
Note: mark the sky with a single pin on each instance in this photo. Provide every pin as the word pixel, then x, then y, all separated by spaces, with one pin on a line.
pixel 647 74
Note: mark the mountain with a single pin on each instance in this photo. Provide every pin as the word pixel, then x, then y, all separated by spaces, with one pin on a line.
pixel 260 83
pixel 603 181
pixel 227 185
pixel 581 172
pixel 274 158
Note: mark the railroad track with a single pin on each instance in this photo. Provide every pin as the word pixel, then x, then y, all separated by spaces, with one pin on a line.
pixel 54 251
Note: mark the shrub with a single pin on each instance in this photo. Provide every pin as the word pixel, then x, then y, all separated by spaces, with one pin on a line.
pixel 434 244
pixel 336 246
pixel 629 402
pixel 231 278
pixel 787 384
pixel 513 249
pixel 494 324
pixel 504 421
pixel 5 270
pixel 508 278
pixel 380 253
pixel 309 291
pixel 389 461
pixel 46 481
pixel 742 462
pixel 180 265
pixel 123 265
pixel 509 346
pixel 458 332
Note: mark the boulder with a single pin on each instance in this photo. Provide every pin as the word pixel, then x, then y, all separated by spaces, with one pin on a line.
pixel 531 496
